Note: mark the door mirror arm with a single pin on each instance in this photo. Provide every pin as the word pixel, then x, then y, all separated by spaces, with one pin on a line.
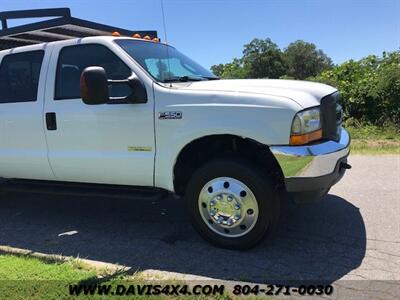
pixel 138 94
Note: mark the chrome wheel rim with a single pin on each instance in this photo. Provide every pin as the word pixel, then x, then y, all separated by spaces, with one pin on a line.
pixel 228 207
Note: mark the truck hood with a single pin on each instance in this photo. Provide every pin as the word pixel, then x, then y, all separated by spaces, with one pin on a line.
pixel 304 93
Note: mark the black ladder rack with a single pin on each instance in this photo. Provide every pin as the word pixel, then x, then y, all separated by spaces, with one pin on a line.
pixel 62 27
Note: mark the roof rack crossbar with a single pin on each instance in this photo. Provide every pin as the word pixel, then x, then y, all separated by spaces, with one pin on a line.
pixel 33 13
pixel 62 27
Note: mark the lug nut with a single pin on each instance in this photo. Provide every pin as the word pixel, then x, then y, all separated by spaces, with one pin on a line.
pixel 230 198
pixel 237 217
pixel 212 212
pixel 219 197
pixel 230 222
pixel 212 202
pixel 237 206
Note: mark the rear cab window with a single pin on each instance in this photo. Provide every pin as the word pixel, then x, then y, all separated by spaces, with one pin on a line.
pixel 19 76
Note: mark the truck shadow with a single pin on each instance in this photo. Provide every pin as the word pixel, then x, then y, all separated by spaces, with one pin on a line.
pixel 322 241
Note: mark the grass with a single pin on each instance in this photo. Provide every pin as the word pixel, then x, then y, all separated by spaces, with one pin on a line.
pixel 24 277
pixel 369 139
pixel 26 268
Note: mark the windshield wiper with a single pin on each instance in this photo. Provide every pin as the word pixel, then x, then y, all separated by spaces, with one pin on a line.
pixel 183 79
pixel 190 78
pixel 211 78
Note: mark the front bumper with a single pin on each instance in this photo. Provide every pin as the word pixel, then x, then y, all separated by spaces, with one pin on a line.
pixel 313 167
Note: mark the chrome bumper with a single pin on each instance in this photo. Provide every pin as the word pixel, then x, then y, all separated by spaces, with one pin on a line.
pixel 313 161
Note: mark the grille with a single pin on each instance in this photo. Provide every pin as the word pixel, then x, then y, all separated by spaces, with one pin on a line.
pixel 331 117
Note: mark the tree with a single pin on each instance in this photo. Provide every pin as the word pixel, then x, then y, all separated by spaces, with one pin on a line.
pixel 235 69
pixel 263 59
pixel 218 70
pixel 305 60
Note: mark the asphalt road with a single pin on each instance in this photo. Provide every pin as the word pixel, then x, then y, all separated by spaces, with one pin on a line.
pixel 353 233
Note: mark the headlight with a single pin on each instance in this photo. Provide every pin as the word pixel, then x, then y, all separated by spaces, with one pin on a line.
pixel 306 127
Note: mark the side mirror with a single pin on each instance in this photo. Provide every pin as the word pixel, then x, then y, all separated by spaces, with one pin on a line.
pixel 94 86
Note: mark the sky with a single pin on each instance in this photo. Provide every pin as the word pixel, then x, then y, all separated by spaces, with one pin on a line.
pixel 214 31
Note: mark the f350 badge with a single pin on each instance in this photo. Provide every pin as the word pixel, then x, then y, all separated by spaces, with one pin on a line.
pixel 168 115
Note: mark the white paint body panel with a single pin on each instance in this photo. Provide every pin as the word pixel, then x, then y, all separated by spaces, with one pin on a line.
pixel 23 149
pixel 91 142
pixel 254 116
pixel 305 93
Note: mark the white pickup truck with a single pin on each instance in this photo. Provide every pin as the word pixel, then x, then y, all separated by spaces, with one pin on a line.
pixel 131 111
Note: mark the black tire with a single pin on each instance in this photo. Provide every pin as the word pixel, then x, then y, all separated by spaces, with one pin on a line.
pixel 260 184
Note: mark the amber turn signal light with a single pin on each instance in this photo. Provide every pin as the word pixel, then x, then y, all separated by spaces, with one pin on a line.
pixel 116 33
pixel 302 139
pixel 137 36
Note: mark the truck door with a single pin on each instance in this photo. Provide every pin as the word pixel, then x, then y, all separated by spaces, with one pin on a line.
pixel 110 143
pixel 23 149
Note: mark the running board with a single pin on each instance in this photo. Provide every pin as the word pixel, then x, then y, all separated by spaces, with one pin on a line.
pixel 82 189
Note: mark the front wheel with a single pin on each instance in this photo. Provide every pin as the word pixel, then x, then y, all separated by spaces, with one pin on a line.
pixel 232 203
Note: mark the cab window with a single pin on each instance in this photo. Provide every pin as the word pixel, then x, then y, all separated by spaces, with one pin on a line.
pixel 74 59
pixel 19 76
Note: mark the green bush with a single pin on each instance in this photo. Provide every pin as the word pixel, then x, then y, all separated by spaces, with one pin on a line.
pixel 370 88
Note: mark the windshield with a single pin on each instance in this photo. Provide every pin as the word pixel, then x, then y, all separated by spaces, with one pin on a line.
pixel 164 63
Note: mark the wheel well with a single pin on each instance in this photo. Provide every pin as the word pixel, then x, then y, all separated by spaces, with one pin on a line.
pixel 205 149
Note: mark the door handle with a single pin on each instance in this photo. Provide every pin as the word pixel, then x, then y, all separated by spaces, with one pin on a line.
pixel 51 121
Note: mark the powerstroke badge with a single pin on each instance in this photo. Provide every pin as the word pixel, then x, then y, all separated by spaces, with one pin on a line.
pixel 168 115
